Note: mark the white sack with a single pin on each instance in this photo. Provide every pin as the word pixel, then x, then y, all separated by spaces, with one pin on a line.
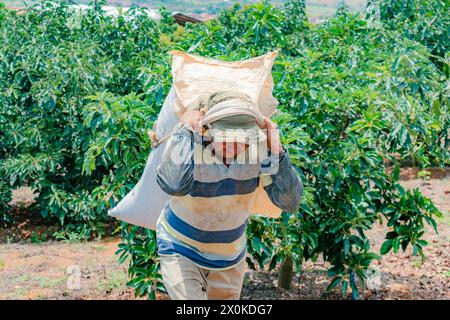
pixel 194 76
pixel 143 204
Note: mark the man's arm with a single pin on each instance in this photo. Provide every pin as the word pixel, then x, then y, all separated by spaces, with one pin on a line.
pixel 175 173
pixel 286 188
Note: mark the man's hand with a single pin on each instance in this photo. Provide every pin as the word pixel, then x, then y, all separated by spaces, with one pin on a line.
pixel 192 118
pixel 273 136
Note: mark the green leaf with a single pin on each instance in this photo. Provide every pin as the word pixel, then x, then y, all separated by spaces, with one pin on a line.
pixel 386 247
pixel 334 282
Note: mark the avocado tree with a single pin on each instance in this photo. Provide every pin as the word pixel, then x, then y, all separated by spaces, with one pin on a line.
pixel 352 98
pixel 79 91
pixel 427 22
pixel 54 62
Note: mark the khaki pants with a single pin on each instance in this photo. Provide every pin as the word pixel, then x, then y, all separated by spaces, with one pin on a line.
pixel 184 280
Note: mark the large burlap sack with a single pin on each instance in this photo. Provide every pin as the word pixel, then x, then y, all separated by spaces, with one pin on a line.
pixel 194 76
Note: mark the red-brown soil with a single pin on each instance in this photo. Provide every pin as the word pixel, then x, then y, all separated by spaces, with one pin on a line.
pixel 40 270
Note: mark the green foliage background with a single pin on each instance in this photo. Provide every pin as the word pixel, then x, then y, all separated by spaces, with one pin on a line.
pixel 79 92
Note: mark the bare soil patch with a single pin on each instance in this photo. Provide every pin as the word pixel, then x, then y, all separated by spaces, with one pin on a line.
pixel 42 270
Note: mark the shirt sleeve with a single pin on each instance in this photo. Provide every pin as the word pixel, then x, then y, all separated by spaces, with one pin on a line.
pixel 281 182
pixel 175 173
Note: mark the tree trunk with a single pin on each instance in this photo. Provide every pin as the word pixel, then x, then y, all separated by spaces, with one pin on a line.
pixel 285 273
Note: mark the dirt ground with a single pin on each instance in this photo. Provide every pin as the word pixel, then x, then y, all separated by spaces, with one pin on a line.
pixel 43 270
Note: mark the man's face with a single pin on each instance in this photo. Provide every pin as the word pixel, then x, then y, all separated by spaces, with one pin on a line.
pixel 228 150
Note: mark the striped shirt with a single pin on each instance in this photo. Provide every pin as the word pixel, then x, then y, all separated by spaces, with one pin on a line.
pixel 207 214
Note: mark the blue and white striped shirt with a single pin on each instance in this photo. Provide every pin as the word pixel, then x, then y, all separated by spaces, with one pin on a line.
pixel 206 217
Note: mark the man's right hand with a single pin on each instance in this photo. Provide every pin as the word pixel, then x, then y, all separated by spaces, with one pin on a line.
pixel 192 118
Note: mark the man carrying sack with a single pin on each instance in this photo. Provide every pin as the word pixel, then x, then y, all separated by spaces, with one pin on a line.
pixel 209 170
